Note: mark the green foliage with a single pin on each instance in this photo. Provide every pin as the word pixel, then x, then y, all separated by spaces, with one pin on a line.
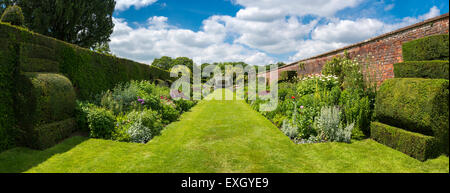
pixel 427 48
pixel 91 73
pixel 183 105
pixel 43 99
pixel 287 76
pixel 436 69
pixel 50 134
pixel 144 125
pixel 169 113
pixel 415 145
pixel 8 72
pixel 356 109
pixel 101 123
pixel 329 127
pixel 83 22
pixel 347 71
pixel 46 97
pixel 13 15
pixel 417 105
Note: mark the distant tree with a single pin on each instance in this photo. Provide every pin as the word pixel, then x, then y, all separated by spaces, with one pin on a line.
pixel 102 48
pixel 183 61
pixel 81 22
pixel 164 62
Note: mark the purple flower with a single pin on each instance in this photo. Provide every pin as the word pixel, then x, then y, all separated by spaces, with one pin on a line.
pixel 141 100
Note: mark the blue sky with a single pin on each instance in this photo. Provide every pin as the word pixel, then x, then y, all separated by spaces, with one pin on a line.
pixel 256 32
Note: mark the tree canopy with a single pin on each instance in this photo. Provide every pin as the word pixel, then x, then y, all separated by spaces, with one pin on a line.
pixel 81 22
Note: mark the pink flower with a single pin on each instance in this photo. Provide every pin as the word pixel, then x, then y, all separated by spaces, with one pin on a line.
pixel 301 107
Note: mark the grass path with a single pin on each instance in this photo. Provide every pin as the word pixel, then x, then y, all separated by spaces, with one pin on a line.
pixel 216 136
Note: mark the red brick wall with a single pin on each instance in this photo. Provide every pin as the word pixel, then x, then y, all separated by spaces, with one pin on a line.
pixel 379 53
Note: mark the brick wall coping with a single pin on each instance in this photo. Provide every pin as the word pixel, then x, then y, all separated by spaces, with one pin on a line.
pixel 443 16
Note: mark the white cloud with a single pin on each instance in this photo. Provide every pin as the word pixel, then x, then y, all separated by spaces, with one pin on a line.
pixel 126 4
pixel 300 7
pixel 389 7
pixel 158 39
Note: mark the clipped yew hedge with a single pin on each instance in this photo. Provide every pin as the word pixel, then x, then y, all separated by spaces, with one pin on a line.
pixel 8 69
pixel 436 69
pixel 42 99
pixel 413 144
pixel 90 72
pixel 427 48
pixel 417 105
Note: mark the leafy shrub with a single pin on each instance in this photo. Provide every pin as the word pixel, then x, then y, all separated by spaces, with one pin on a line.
pixel 356 109
pixel 101 123
pixel 288 76
pixel 415 104
pixel 13 15
pixel 422 69
pixel 183 105
pixel 143 126
pixel 415 145
pixel 329 127
pixel 427 48
pixel 169 114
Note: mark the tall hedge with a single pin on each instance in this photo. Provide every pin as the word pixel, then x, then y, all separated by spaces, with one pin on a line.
pixel 427 48
pixel 8 71
pixel 416 104
pixel 413 144
pixel 435 69
pixel 90 72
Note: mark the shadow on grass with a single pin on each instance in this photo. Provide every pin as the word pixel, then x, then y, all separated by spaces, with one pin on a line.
pixel 21 159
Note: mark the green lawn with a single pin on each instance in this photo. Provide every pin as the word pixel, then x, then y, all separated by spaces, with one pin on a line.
pixel 216 136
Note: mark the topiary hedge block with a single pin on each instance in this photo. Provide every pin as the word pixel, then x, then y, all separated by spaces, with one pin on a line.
pixel 42 98
pixel 436 69
pixel 417 105
pixel 427 48
pixel 415 145
pixel 38 65
pixel 48 135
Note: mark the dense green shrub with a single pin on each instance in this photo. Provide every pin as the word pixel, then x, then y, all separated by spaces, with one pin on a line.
pixel 427 48
pixel 415 145
pixel 287 76
pixel 101 123
pixel 356 109
pixel 13 15
pixel 183 105
pixel 50 134
pixel 144 125
pixel 415 104
pixel 169 113
pixel 436 69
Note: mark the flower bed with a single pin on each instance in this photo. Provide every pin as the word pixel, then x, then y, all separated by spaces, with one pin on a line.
pixel 133 112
